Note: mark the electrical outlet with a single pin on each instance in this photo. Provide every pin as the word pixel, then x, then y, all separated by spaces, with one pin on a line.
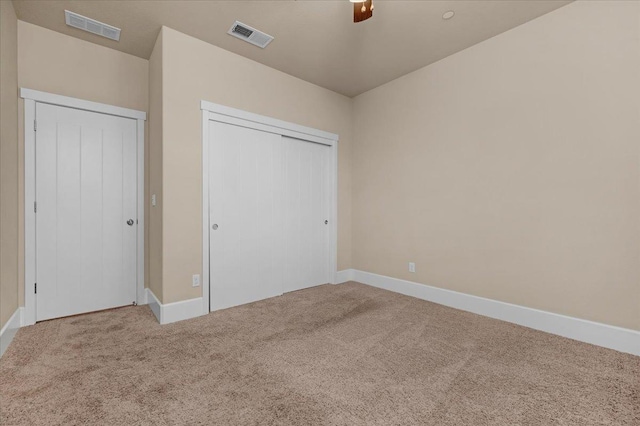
pixel 153 200
pixel 412 267
pixel 196 281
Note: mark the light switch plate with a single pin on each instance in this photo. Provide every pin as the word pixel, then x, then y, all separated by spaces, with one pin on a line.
pixel 412 267
pixel 196 281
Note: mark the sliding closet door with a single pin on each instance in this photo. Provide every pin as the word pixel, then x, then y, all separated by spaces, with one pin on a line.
pixel 268 214
pixel 245 212
pixel 306 201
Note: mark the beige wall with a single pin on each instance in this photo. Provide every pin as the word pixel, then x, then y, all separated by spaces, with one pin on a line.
pixel 194 71
pixel 56 63
pixel 8 163
pixel 155 168
pixel 510 170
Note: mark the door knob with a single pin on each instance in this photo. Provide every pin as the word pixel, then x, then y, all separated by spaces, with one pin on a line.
pixel 215 226
pixel 130 222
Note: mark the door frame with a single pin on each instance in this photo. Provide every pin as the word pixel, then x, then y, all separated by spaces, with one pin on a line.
pixel 228 115
pixel 31 98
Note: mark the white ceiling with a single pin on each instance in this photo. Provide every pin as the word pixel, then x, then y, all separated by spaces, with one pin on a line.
pixel 314 40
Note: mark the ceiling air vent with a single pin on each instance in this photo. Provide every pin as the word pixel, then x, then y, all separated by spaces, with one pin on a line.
pixel 251 35
pixel 91 25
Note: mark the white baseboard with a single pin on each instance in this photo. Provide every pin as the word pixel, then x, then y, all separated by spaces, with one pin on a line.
pixel 143 298
pixel 608 336
pixel 154 304
pixel 344 276
pixel 176 311
pixel 10 329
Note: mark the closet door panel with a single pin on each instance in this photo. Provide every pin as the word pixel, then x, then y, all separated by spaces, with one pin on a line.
pixel 306 199
pixel 245 215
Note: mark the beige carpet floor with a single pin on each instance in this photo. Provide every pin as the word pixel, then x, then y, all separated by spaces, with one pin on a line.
pixel 330 355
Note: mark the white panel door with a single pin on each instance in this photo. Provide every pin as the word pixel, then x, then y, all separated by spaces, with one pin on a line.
pixel 306 202
pixel 86 192
pixel 245 215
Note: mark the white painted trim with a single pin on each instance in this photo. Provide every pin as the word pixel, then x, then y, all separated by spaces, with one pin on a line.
pixel 51 98
pixel 608 336
pixel 344 276
pixel 269 129
pixel 31 98
pixel 333 215
pixel 233 116
pixel 154 304
pixel 176 311
pixel 223 114
pixel 29 214
pixel 141 294
pixel 205 214
pixel 10 329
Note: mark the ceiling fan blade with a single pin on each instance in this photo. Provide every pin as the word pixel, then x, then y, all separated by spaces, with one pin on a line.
pixel 358 14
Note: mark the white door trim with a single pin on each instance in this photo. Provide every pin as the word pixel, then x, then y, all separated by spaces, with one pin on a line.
pixel 228 115
pixel 31 97
pixel 53 99
pixel 224 114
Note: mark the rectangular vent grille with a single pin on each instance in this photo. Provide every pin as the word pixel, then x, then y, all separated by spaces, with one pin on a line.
pixel 251 35
pixel 91 25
